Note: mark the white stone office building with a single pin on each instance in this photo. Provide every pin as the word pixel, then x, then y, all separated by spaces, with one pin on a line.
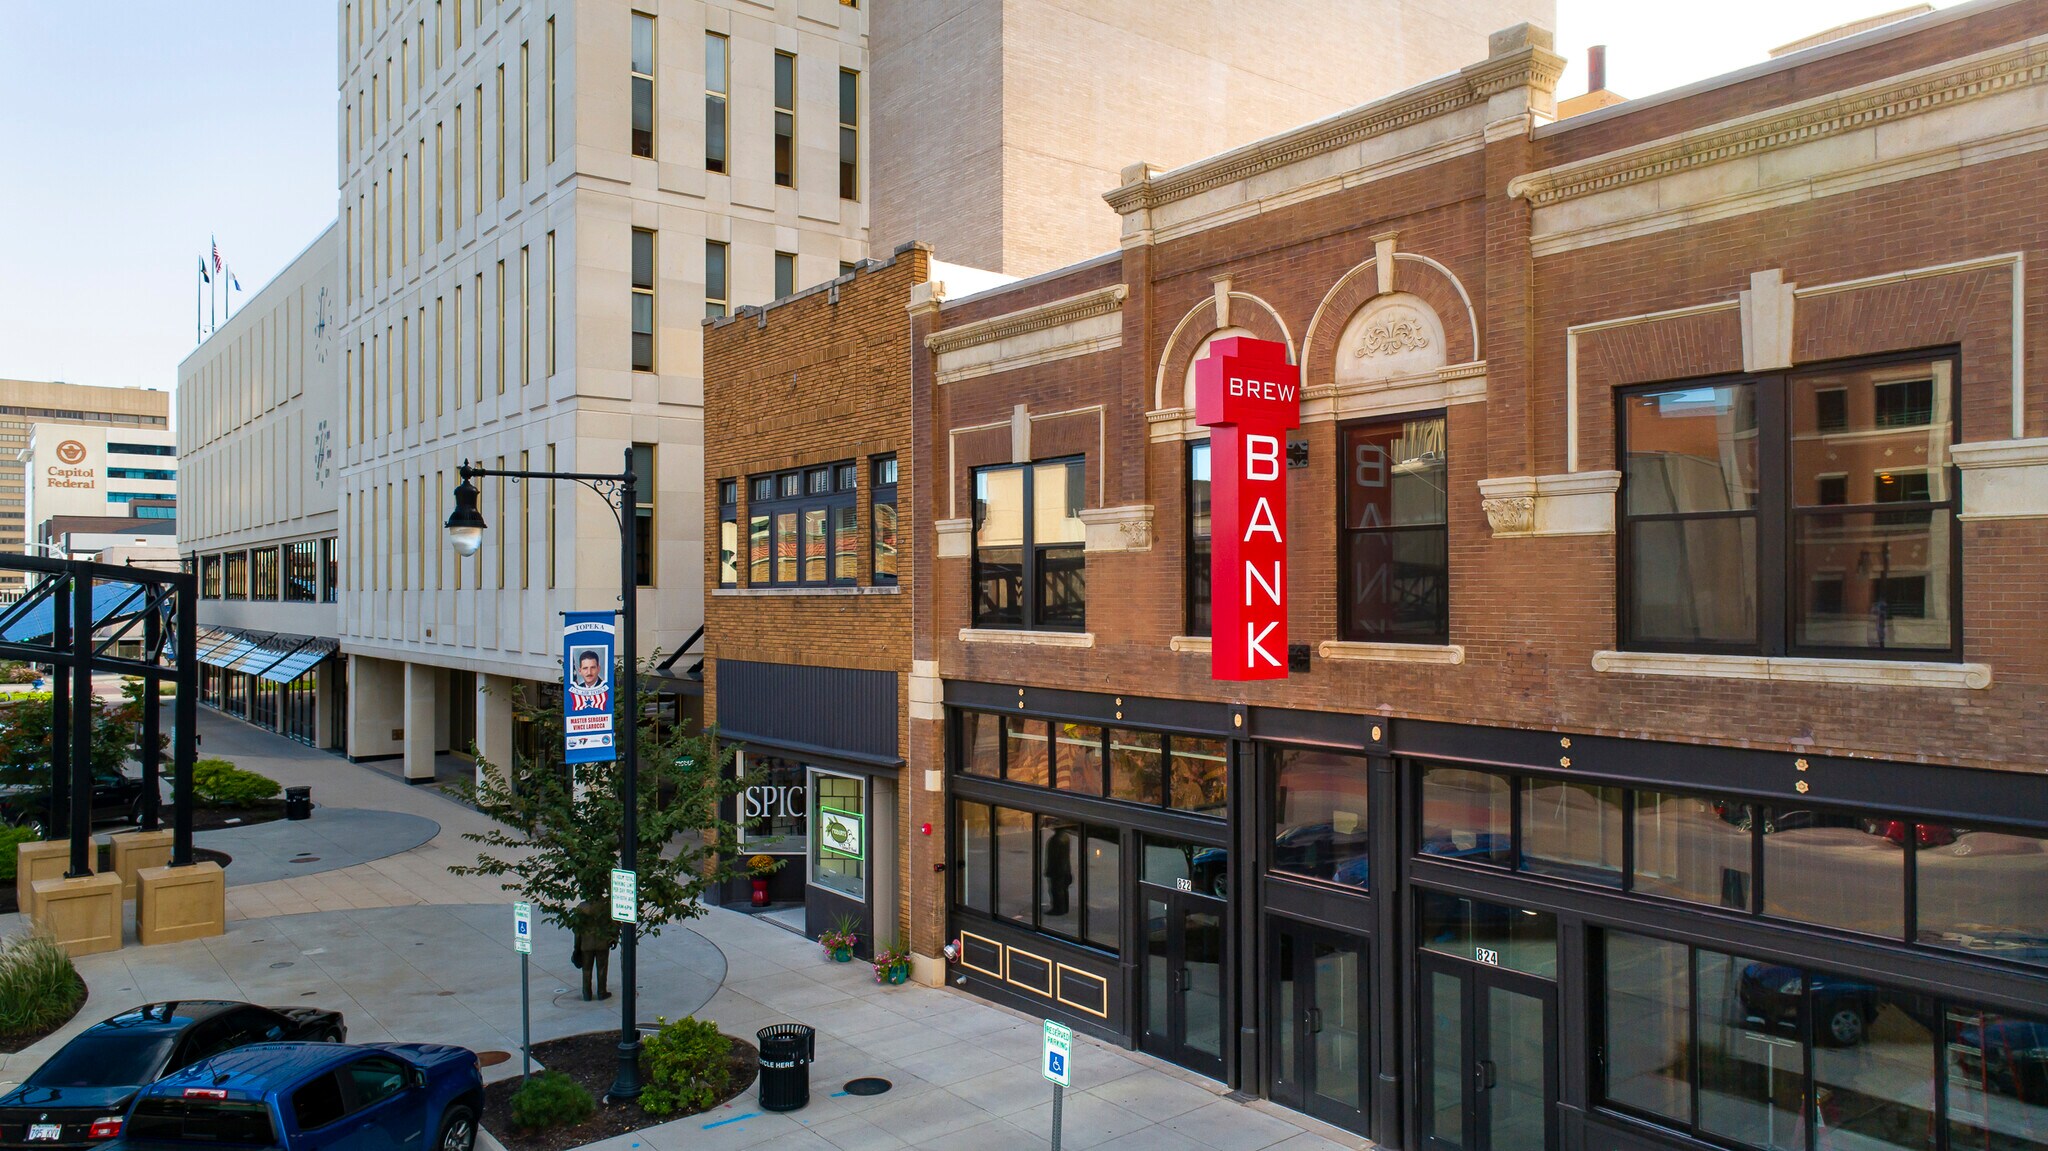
pixel 540 204
pixel 258 488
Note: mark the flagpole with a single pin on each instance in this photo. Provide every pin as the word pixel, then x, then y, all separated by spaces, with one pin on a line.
pixel 227 293
pixel 198 333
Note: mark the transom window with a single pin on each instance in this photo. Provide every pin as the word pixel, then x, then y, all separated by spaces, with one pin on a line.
pixel 803 528
pixel 1809 512
pixel 1186 772
pixel 1030 570
pixel 1978 890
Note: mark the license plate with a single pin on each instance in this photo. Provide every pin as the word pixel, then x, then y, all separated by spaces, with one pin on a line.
pixel 50 1131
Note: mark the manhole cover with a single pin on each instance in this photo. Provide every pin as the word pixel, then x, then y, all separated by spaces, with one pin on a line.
pixel 492 1058
pixel 305 859
pixel 867 1085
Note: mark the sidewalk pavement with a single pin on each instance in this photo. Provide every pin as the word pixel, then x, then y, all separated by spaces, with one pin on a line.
pixel 965 1071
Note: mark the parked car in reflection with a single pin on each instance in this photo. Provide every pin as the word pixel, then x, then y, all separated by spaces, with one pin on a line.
pixel 312 1097
pixel 1321 851
pixel 1843 1009
pixel 2007 1056
pixel 79 1095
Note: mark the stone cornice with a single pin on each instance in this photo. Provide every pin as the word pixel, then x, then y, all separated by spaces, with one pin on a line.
pixel 1530 67
pixel 1944 85
pixel 1087 305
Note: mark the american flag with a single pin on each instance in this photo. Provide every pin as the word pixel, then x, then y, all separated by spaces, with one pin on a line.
pixel 216 256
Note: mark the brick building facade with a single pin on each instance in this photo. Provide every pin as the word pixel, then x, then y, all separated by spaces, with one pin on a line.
pixel 1660 762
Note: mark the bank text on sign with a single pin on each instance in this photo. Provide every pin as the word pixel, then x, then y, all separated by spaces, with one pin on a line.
pixel 1251 396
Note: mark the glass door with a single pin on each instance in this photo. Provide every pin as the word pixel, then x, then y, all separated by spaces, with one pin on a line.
pixel 1488 1058
pixel 1184 975
pixel 1318 1012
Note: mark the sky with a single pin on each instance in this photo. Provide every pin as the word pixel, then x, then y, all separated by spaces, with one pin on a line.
pixel 135 132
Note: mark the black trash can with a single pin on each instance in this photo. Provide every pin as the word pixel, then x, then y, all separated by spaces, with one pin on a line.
pixel 786 1053
pixel 298 803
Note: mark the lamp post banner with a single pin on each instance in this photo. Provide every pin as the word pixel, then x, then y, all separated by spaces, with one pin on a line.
pixel 1251 396
pixel 588 639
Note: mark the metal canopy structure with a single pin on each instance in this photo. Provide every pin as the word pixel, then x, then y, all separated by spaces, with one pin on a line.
pixel 72 616
pixel 277 656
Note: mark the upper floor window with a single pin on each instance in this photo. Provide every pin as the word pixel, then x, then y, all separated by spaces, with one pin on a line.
pixel 882 500
pixel 1029 567
pixel 803 527
pixel 643 84
pixel 785 120
pixel 237 564
pixel 714 102
pixel 209 577
pixel 643 300
pixel 714 278
pixel 849 134
pixel 301 572
pixel 1809 512
pixel 330 572
pixel 644 485
pixel 1394 550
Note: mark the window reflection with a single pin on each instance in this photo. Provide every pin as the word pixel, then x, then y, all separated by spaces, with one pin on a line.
pixel 1572 830
pixel 1078 757
pixel 1201 774
pixel 1059 865
pixel 980 747
pixel 1490 933
pixel 1997 1081
pixel 1465 815
pixel 1015 880
pixel 1025 751
pixel 1136 765
pixel 972 882
pixel 1319 821
pixel 1752 1056
pixel 1981 891
pixel 1693 847
pixel 1648 1025
pixel 1834 869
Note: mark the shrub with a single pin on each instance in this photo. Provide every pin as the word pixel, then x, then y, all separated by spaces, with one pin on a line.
pixel 687 1064
pixel 11 838
pixel 219 783
pixel 39 989
pixel 551 1099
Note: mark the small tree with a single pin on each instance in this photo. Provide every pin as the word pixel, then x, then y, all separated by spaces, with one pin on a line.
pixel 568 820
pixel 27 741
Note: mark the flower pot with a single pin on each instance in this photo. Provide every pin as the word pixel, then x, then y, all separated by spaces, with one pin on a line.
pixel 899 973
pixel 842 955
pixel 760 898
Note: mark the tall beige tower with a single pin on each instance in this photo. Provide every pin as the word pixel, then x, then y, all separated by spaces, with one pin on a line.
pixel 999 124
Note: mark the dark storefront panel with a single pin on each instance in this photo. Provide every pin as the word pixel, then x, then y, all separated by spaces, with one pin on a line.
pixel 829 708
pixel 1522 939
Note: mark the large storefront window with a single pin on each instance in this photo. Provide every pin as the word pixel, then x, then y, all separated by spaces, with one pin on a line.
pixel 1320 825
pixel 1045 872
pixel 839 849
pixel 773 805
pixel 1785 1058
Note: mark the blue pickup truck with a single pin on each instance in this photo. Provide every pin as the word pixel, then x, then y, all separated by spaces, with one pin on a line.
pixel 314 1097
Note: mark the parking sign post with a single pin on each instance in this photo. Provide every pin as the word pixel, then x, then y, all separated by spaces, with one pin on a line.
pixel 522 941
pixel 1057 1068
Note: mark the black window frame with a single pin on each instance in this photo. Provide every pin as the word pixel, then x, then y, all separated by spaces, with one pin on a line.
pixel 1087 829
pixel 210 580
pixel 1441 635
pixel 230 570
pixel 301 576
pixel 330 570
pixel 1943 1008
pixel 729 517
pixel 644 276
pixel 1746 813
pixel 830 500
pixel 883 474
pixel 1775 581
pixel 1162 800
pixel 1031 573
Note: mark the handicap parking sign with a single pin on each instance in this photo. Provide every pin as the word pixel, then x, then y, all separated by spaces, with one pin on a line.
pixel 1059 1043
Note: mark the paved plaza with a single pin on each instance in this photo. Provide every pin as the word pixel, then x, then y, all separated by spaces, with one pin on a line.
pixel 407 951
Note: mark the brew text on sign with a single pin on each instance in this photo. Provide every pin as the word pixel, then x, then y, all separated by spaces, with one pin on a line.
pixel 1250 396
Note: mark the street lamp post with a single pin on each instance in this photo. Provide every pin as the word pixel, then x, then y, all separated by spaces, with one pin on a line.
pixel 466 534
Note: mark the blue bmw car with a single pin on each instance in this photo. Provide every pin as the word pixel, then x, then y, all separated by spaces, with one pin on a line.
pixel 313 1097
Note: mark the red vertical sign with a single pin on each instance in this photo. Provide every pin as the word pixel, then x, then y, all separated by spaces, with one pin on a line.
pixel 1250 395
